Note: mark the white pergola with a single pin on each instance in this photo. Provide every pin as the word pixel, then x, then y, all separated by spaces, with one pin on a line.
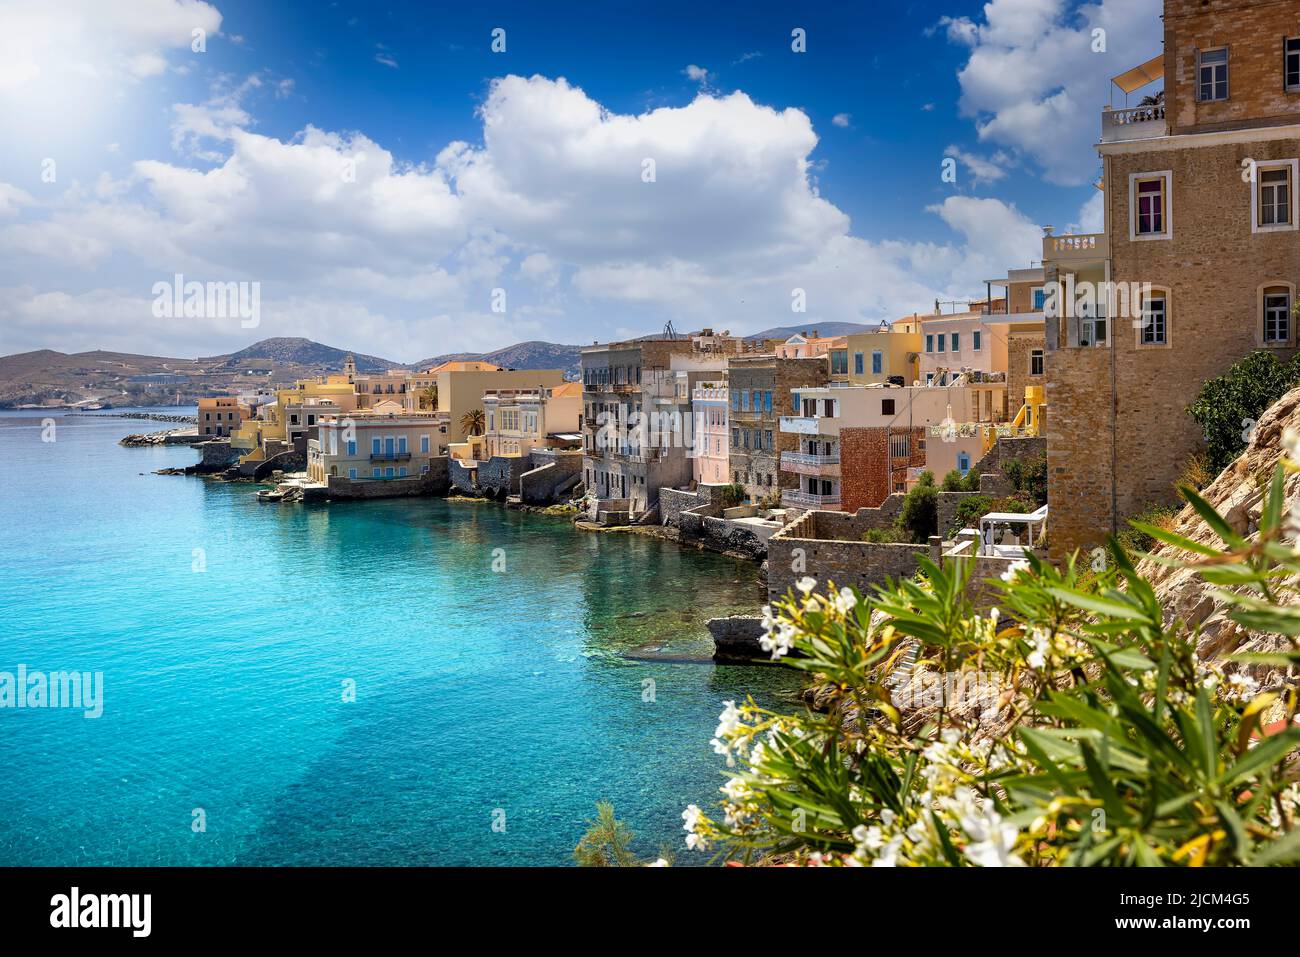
pixel 990 523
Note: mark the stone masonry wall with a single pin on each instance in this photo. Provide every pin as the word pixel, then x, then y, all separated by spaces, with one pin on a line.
pixel 1020 345
pixel 1253 30
pixel 792 556
pixel 868 474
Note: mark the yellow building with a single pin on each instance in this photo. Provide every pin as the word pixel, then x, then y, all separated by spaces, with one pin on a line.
pixel 372 446
pixel 461 386
pixel 292 415
pixel 873 357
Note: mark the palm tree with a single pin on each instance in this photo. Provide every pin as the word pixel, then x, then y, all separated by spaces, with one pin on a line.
pixel 471 423
pixel 429 398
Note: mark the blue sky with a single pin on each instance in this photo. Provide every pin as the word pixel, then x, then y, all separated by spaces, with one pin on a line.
pixel 817 170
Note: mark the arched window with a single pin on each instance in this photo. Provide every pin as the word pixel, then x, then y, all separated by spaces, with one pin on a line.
pixel 1276 320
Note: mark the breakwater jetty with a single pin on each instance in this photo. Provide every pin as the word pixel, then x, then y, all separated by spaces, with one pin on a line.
pixel 149 416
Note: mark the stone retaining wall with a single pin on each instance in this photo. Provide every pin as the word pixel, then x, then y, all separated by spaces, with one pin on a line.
pixel 827 546
pixel 549 476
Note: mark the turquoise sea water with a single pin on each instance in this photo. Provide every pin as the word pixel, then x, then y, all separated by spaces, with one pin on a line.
pixel 477 692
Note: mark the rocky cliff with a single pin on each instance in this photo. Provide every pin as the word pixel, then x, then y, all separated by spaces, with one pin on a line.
pixel 1238 493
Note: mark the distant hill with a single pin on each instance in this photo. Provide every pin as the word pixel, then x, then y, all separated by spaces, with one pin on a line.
pixel 823 329
pixel 522 355
pixel 296 351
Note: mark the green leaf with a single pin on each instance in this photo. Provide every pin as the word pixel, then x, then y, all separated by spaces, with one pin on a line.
pixel 1211 517
pixel 1265 754
pixel 1284 850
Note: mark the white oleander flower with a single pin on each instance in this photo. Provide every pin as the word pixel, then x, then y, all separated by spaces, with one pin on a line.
pixel 1014 570
pixel 779 640
pixel 845 601
pixel 691 817
pixel 992 841
pixel 1042 643
pixel 888 856
pixel 806 585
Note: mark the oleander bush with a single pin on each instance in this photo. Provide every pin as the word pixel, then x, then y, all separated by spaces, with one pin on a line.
pixel 1075 726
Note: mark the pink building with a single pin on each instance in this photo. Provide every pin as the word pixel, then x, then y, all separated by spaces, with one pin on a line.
pixel 709 407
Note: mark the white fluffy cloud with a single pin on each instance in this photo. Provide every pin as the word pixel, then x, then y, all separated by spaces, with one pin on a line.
pixel 41 41
pixel 1038 71
pixel 594 223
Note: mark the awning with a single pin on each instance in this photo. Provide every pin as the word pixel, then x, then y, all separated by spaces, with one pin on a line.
pixel 1140 76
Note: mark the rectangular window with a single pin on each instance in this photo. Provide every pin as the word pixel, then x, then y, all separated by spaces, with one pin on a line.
pixel 352 473
pixel 1212 75
pixel 956 342
pixel 929 343
pixel 374 446
pixel 735 399
pixel 877 363
pixel 976 335
pixel 1040 298
pixel 1275 196
pixel 887 407
pixel 1293 63
pixel 424 444
pixel 1036 362
pixel 1151 206
pixel 858 365
pixel 899 447
pixel 1092 332
pixel 1154 322
pixel 767 400
pixel 352 448
pixel 941 338
pixel 840 362
pixel 758 400
pixel 401 443
pixel 1277 317
pixel 767 439
pixel 375 473
pixel 735 438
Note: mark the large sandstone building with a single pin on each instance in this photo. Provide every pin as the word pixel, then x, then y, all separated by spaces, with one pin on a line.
pixel 1201 204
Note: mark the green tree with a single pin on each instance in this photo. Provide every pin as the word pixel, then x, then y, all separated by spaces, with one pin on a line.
pixel 1227 408
pixel 608 842
pixel 920 514
pixel 429 398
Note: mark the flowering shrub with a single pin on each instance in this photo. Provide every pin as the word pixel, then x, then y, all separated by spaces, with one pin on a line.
pixel 1095 737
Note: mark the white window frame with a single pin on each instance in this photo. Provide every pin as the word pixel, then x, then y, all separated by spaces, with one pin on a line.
pixel 1041 356
pixel 1290 338
pixel 1139 326
pixel 1227 75
pixel 1287 54
pixel 1260 167
pixel 1133 179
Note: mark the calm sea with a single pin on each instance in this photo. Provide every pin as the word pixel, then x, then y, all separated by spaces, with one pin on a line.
pixel 229 634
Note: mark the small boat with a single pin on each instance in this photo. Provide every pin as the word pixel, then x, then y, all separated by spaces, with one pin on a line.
pixel 270 495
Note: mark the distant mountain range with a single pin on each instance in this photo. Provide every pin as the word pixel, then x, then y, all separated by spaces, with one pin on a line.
pixel 823 329
pixel 302 352
pixel 523 355
pixel 46 377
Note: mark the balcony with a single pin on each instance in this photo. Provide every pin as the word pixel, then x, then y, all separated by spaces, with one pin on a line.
pixel 701 394
pixel 390 456
pixel 803 463
pixel 1076 250
pixel 809 425
pixel 1138 123
pixel 799 499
